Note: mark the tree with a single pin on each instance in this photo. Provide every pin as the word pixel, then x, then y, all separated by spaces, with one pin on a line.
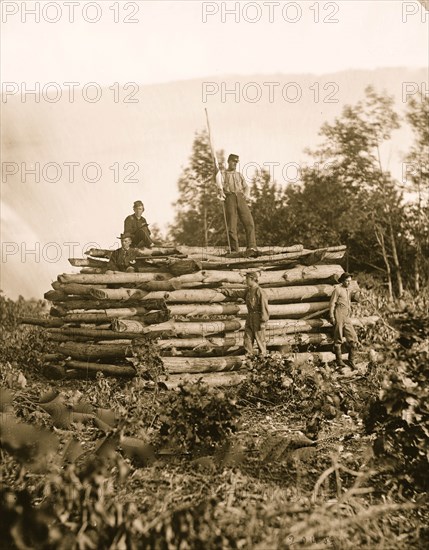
pixel 366 202
pixel 199 219
pixel 416 182
pixel 268 209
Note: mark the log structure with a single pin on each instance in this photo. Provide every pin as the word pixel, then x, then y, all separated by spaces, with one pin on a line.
pixel 191 300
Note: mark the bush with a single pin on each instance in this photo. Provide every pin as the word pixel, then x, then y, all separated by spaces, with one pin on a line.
pixel 268 379
pixel 198 417
pixel 399 417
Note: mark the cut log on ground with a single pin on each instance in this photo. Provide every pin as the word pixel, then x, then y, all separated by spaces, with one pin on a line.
pixel 107 369
pixel 176 365
pixel 214 379
pixel 87 352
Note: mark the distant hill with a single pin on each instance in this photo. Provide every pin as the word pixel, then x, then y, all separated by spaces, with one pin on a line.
pixel 156 134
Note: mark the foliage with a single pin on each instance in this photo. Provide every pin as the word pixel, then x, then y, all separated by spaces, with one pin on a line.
pixel 21 346
pixel 198 417
pixel 267 379
pixel 399 417
pixel 199 219
pixel 147 361
pixel 11 311
pixel 188 527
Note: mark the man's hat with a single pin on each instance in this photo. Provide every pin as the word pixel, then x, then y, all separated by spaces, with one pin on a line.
pixel 233 157
pixel 137 203
pixel 125 236
pixel 252 275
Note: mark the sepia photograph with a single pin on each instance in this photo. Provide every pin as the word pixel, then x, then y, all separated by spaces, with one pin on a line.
pixel 214 274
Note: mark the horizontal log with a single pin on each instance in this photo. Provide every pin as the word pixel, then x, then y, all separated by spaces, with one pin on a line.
pixel 92 270
pixel 179 329
pixel 306 257
pixel 175 266
pixel 128 326
pixel 93 304
pixel 98 253
pixel 55 295
pixel 222 250
pixel 88 262
pixel 118 294
pixel 297 275
pixel 113 278
pixel 75 288
pixel 195 310
pixel 92 333
pixel 175 365
pixel 274 295
pixel 54 337
pixel 142 252
pixel 229 308
pixel 211 379
pixel 85 351
pixel 235 340
pixel 107 369
pixel 41 321
pixel 149 318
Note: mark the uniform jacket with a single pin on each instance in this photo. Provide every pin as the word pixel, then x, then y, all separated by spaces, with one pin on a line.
pixel 121 259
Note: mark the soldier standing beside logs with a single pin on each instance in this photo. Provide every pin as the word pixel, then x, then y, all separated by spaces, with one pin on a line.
pixel 138 227
pixel 257 315
pixel 257 312
pixel 339 313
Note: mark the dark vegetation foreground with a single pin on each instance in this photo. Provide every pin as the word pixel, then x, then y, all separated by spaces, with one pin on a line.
pixel 295 457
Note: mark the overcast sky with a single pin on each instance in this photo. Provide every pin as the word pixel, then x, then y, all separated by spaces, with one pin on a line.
pixel 185 39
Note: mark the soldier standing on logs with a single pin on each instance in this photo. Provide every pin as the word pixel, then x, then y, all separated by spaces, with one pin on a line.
pixel 235 192
pixel 138 227
pixel 339 313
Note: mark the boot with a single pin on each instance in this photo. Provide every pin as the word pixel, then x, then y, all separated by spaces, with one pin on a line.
pixel 352 356
pixel 337 351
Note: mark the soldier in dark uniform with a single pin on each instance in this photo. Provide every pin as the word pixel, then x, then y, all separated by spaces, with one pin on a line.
pixel 138 227
pixel 235 193
pixel 124 258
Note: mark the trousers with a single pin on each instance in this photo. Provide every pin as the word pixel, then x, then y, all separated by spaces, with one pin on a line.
pixel 141 238
pixel 344 327
pixel 254 331
pixel 237 207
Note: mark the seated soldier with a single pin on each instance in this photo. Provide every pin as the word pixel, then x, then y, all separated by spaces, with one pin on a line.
pixel 138 227
pixel 124 258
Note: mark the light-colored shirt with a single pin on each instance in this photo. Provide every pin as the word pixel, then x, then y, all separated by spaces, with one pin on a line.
pixel 340 297
pixel 233 182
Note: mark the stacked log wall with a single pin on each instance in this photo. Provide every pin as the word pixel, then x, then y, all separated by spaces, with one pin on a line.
pixel 191 300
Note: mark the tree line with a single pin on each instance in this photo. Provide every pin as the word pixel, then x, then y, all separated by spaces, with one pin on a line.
pixel 346 196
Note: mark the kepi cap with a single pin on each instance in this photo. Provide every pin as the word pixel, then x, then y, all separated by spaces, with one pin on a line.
pixel 252 275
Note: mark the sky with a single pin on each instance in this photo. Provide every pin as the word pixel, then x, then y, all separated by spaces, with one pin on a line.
pixel 108 44
pixel 169 40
